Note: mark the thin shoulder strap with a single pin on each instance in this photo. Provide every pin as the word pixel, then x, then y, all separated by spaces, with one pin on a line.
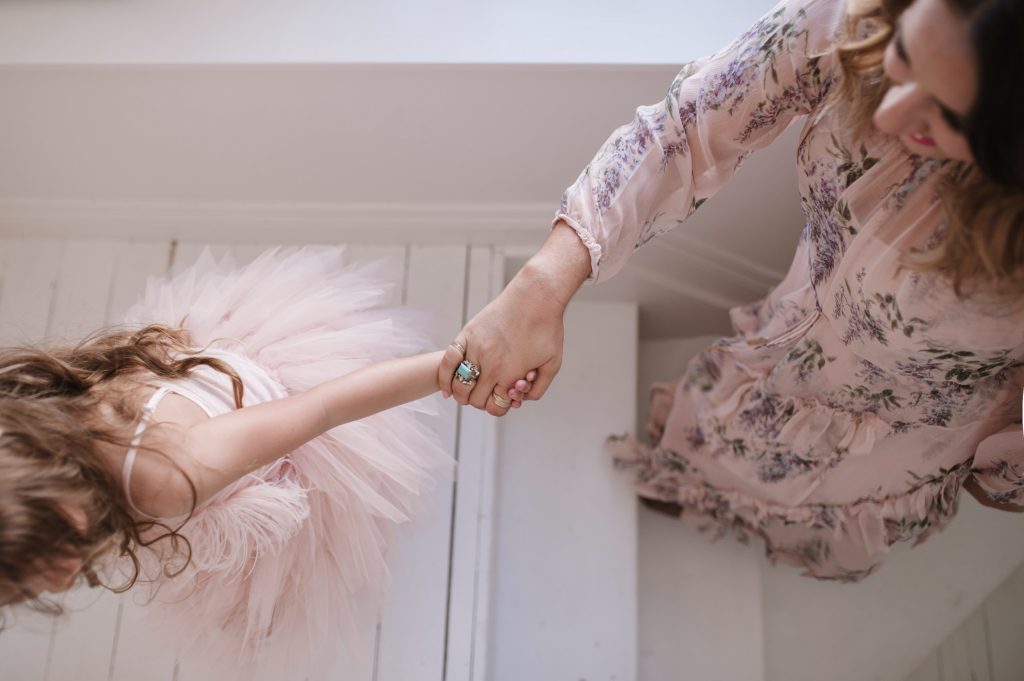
pixel 133 446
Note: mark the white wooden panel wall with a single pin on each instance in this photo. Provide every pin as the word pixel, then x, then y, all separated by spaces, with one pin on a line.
pixel 60 287
pixel 564 578
pixel 988 645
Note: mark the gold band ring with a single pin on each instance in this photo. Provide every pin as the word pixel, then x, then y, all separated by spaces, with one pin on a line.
pixel 501 400
pixel 458 346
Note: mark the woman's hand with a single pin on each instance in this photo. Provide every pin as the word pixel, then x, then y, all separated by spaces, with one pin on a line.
pixel 519 331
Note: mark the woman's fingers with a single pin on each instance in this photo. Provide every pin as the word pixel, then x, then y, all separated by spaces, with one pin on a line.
pixel 498 404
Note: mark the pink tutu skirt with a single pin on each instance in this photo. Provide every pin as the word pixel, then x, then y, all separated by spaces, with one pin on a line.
pixel 288 564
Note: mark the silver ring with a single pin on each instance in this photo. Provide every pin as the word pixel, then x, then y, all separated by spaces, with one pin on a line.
pixel 467 372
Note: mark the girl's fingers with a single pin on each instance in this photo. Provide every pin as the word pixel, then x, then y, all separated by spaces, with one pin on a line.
pixel 450 362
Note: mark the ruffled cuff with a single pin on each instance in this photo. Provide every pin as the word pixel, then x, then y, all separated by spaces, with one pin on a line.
pixel 999 465
pixel 588 240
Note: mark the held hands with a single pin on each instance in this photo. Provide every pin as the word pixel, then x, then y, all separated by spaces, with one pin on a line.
pixel 509 352
pixel 512 349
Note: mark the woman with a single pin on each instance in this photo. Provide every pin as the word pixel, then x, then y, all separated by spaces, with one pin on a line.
pixel 884 373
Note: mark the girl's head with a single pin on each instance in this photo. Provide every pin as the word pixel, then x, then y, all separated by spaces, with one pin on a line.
pixel 66 416
pixel 946 77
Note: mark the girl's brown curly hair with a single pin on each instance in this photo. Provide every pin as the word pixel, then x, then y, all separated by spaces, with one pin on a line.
pixel 57 404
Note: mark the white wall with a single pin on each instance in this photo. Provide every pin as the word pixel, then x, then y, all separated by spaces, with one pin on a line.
pixel 389 31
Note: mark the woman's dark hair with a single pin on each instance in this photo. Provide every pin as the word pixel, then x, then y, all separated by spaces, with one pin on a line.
pixel 997 36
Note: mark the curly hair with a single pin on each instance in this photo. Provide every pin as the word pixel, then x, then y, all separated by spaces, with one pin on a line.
pixel 57 404
pixel 982 245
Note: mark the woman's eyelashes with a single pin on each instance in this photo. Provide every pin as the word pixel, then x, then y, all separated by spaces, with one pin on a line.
pixel 953 120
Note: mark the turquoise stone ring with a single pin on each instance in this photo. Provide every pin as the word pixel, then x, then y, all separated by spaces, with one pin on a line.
pixel 467 372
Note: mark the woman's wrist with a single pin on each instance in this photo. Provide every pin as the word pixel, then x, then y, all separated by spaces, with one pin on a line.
pixel 558 269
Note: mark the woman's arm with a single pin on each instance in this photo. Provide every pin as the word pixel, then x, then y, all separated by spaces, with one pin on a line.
pixel 649 177
pixel 217 451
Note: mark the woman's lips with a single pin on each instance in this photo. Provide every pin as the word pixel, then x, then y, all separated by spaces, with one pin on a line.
pixel 923 140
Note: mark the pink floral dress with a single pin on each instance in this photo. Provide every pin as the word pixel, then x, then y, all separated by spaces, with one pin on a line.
pixel 858 396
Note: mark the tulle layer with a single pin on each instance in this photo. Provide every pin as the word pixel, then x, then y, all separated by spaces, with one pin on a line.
pixel 289 563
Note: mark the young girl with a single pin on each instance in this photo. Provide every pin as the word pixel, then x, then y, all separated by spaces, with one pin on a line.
pixel 200 452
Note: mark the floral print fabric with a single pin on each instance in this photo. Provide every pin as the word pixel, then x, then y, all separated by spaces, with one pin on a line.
pixel 858 396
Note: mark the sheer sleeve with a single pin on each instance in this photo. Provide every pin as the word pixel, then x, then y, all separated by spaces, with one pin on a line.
pixel 652 173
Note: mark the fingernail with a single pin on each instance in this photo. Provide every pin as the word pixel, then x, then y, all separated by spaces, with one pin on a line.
pixel 446 394
pixel 532 376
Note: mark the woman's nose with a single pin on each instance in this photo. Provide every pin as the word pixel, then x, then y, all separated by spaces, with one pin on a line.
pixel 901 110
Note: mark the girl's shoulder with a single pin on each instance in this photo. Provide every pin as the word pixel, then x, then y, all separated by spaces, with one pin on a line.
pixel 151 461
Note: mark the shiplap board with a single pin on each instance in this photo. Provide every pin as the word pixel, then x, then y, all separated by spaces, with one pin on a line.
pixel 474 492
pixel 564 579
pixel 413 621
pixel 1004 617
pixel 30 273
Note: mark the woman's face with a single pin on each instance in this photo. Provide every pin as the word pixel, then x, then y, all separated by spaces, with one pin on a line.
pixel 932 67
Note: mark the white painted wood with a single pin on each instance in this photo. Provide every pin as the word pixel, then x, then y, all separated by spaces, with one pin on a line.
pixel 413 619
pixel 83 642
pixel 564 583
pixel 1004 612
pixel 976 634
pixel 888 623
pixel 137 261
pixel 929 670
pixel 85 277
pixel 29 278
pixel 474 498
pixel 141 653
pixel 700 603
pixel 955 656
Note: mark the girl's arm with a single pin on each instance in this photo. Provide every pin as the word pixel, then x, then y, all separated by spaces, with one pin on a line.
pixel 217 451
